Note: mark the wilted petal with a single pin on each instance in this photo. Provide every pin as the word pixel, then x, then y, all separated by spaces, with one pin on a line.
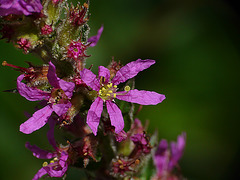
pixel 104 72
pixel 41 172
pixel 38 120
pixel 142 97
pixel 31 94
pixel 94 115
pixel 90 79
pixel 52 76
pixel 61 109
pixel 131 69
pixel 94 39
pixel 177 150
pixel 39 153
pixel 67 87
pixel 115 115
pixel 50 133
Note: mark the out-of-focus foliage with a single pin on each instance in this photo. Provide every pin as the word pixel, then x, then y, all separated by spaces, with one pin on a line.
pixel 196 46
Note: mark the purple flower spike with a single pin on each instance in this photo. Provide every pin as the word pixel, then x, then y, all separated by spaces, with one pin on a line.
pixel 94 39
pixel 19 7
pixel 166 159
pixel 107 90
pixel 58 99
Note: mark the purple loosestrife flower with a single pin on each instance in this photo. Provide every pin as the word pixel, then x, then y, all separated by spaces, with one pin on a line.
pixel 107 90
pixel 59 165
pixel 58 99
pixel 165 160
pixel 20 7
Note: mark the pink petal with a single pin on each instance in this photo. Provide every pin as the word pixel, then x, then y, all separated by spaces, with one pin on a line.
pixel 142 97
pixel 94 39
pixel 31 94
pixel 61 109
pixel 104 72
pixel 39 153
pixel 94 115
pixel 41 172
pixel 115 115
pixel 38 120
pixel 131 69
pixel 90 79
pixel 67 87
pixel 52 76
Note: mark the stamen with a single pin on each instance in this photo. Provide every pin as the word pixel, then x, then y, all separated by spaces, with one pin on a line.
pixel 109 85
pixel 114 95
pixel 45 164
pixel 108 95
pixel 52 161
pixel 4 63
pixel 110 91
pixel 127 88
pixel 115 86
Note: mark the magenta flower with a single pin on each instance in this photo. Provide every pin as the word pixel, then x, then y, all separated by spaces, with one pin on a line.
pixel 20 7
pixel 58 99
pixel 59 165
pixel 165 160
pixel 107 90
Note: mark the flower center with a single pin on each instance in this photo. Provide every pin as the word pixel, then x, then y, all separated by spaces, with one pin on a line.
pixel 109 91
pixel 57 96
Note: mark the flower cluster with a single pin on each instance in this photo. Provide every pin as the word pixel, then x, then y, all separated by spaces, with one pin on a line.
pixel 97 110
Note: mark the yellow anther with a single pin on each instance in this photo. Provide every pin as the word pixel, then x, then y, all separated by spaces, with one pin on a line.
pixel 52 161
pixel 109 85
pixel 45 164
pixel 55 159
pixel 110 91
pixel 103 89
pixel 115 86
pixel 108 94
pixel 85 5
pixel 4 63
pixel 127 88
pixel 114 95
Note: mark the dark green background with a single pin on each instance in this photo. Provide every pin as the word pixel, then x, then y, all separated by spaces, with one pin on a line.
pixel 196 48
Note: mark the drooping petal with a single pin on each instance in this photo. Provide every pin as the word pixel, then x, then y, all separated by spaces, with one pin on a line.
pixel 67 87
pixel 90 79
pixel 94 114
pixel 52 76
pixel 177 149
pixel 131 69
pixel 94 39
pixel 31 94
pixel 39 153
pixel 50 133
pixel 115 115
pixel 60 109
pixel 41 172
pixel 38 120
pixel 141 97
pixel 104 72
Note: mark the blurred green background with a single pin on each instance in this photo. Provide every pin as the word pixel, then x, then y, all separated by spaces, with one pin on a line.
pixel 196 48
